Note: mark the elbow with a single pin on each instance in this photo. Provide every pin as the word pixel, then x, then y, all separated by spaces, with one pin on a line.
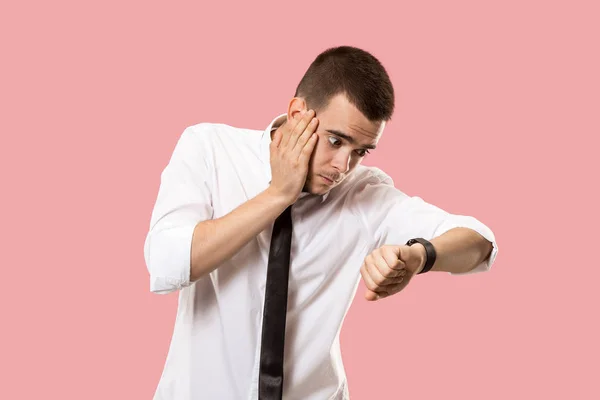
pixel 486 252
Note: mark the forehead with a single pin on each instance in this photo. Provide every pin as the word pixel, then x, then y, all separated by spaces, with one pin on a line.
pixel 342 116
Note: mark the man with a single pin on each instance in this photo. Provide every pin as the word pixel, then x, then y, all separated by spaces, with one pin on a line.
pixel 216 237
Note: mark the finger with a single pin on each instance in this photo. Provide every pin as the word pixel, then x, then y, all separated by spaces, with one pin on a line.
pixel 308 149
pixel 377 269
pixel 374 291
pixel 372 296
pixel 277 136
pixel 384 265
pixel 392 259
pixel 382 295
pixel 299 129
pixel 288 127
pixel 305 136
pixel 393 282
pixel 404 253
pixel 393 289
pixel 398 265
pixel 368 280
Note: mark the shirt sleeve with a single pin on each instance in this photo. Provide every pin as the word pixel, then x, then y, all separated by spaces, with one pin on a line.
pixel 184 199
pixel 394 218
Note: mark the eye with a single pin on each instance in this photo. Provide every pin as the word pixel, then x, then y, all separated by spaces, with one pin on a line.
pixel 362 152
pixel 334 142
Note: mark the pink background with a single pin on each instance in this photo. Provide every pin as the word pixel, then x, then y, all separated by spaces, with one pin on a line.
pixel 505 96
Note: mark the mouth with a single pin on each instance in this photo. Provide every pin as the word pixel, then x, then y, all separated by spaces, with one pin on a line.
pixel 327 180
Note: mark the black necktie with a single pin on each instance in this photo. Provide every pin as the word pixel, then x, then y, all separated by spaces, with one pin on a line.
pixel 270 386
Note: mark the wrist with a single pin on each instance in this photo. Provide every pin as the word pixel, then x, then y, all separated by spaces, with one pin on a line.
pixel 426 254
pixel 276 198
pixel 421 255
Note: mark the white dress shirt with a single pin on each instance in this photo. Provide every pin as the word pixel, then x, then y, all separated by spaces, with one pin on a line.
pixel 214 352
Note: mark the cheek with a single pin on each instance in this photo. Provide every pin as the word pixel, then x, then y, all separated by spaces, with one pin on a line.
pixel 320 153
pixel 354 162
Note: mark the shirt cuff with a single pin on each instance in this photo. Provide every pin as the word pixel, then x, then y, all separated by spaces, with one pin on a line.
pixel 168 258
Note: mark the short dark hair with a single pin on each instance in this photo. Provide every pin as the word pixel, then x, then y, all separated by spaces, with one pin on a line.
pixel 353 72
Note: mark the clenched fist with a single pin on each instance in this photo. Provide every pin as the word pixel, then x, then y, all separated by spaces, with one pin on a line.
pixel 388 269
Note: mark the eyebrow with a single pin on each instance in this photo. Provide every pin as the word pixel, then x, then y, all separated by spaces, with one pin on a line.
pixel 349 138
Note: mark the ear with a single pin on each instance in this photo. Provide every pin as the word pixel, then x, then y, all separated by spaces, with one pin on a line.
pixel 297 105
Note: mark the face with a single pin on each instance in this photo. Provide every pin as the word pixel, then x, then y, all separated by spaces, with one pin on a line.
pixel 345 137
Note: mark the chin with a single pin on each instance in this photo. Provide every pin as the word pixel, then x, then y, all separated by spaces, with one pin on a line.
pixel 320 192
pixel 317 190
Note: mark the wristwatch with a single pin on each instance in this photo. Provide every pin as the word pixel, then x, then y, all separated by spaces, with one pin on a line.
pixel 429 251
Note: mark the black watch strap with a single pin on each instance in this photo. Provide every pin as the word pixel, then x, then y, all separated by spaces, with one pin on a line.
pixel 429 251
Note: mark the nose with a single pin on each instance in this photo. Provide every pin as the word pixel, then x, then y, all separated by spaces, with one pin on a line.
pixel 341 161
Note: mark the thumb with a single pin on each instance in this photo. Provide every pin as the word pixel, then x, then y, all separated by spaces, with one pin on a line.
pixel 371 295
pixel 403 253
pixel 393 255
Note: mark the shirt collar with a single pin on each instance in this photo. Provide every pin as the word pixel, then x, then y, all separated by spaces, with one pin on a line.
pixel 265 151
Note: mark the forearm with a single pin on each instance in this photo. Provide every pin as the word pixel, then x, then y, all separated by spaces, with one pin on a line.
pixel 460 250
pixel 215 241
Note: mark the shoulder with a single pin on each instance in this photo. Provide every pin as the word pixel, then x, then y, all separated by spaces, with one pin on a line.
pixel 369 187
pixel 214 131
pixel 368 175
pixel 212 139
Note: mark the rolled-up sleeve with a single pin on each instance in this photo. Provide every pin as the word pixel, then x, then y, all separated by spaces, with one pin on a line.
pixel 184 199
pixel 396 217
